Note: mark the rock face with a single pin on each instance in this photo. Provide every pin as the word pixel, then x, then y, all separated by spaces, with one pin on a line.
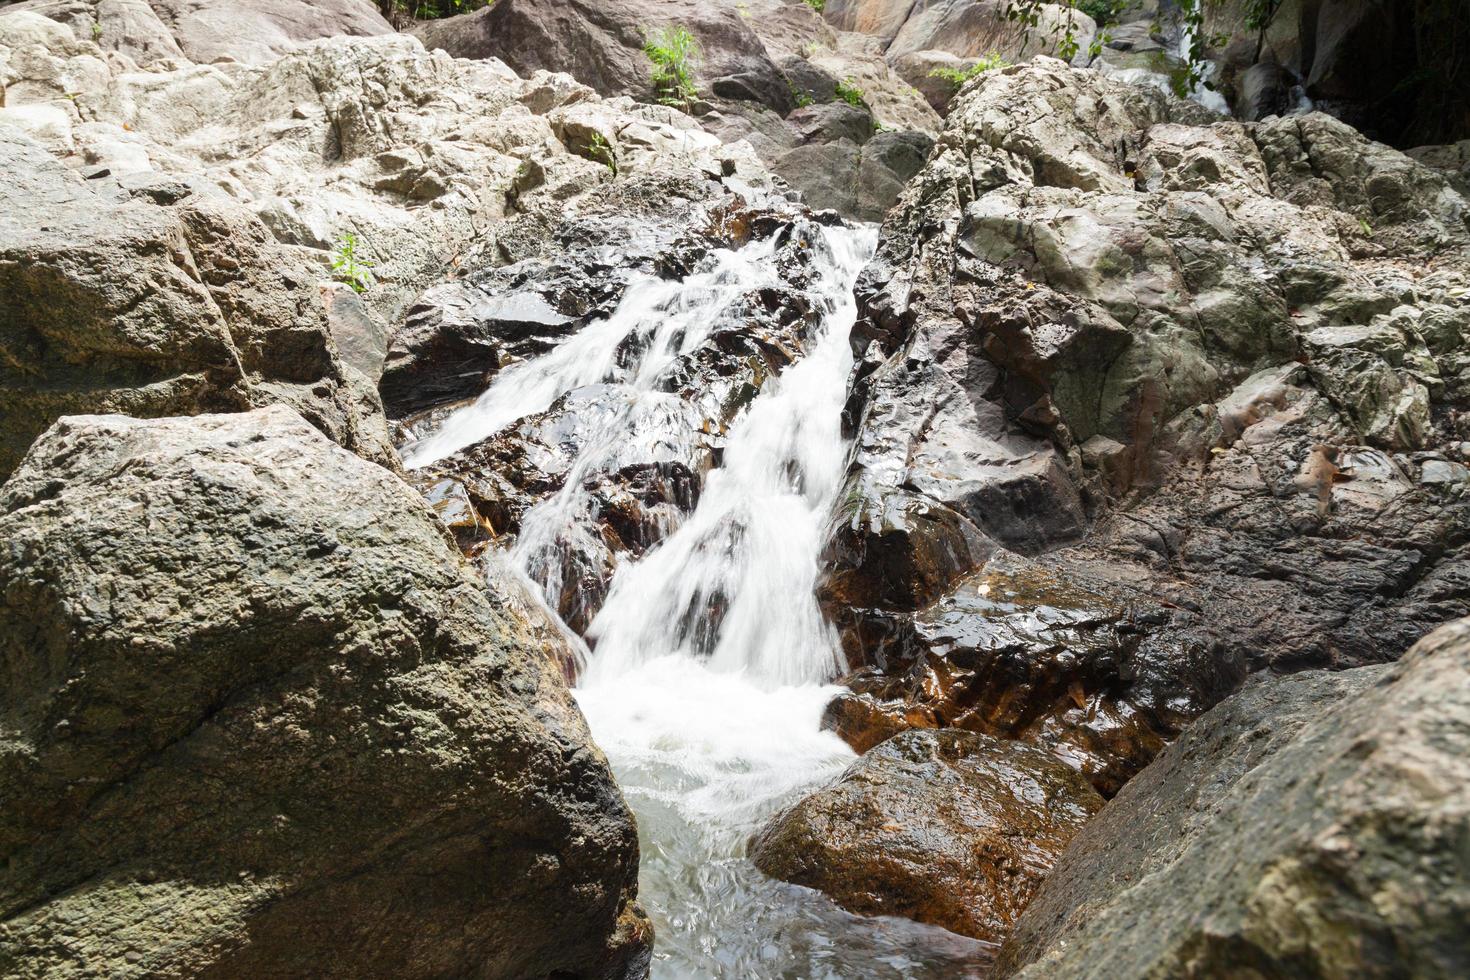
pixel 158 300
pixel 1203 378
pixel 252 31
pixel 767 71
pixel 1311 826
pixel 196 251
pixel 600 43
pixel 1383 66
pixel 258 720
pixel 946 827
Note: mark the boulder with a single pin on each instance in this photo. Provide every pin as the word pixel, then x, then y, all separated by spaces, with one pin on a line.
pixel 1203 373
pixel 260 720
pixel 600 43
pixel 1310 826
pixel 946 827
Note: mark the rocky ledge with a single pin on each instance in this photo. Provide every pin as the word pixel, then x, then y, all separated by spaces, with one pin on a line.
pixel 1147 400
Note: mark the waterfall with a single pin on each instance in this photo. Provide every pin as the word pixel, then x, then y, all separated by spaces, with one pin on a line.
pixel 711 661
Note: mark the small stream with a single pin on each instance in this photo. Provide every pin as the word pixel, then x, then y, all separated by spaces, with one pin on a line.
pixel 712 661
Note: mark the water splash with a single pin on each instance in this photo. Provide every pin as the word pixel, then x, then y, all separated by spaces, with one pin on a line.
pixel 712 661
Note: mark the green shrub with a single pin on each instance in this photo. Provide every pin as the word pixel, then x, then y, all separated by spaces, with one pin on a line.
pixel 850 93
pixel 1102 11
pixel 817 5
pixel 960 76
pixel 349 267
pixel 674 53
pixel 600 151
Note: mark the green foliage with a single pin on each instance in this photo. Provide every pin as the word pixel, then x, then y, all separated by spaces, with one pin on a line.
pixel 817 5
pixel 96 30
pixel 1104 11
pixel 600 151
pixel 848 92
pixel 349 266
pixel 674 53
pixel 801 98
pixel 960 76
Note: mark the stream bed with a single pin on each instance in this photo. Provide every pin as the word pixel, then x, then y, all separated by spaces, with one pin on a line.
pixel 709 663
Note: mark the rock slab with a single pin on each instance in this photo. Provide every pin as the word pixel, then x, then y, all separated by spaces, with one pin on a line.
pixel 257 719
pixel 1310 826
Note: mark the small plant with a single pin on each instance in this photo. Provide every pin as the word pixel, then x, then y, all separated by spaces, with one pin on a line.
pixel 960 76
pixel 600 151
pixel 96 30
pixel 674 53
pixel 743 9
pixel 848 92
pixel 801 98
pixel 817 5
pixel 349 267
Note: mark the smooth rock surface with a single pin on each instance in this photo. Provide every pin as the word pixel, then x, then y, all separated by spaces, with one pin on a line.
pixel 947 827
pixel 1310 826
pixel 259 720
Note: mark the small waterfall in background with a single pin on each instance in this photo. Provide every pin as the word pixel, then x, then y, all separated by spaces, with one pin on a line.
pixel 712 661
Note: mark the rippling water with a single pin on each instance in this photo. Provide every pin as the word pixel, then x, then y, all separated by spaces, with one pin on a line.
pixel 713 662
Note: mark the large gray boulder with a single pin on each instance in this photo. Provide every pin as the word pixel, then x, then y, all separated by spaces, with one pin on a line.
pixel 600 43
pixel 1311 826
pixel 258 719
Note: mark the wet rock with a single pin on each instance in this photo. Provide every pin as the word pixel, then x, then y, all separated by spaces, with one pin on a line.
pixel 626 465
pixel 1019 650
pixel 457 335
pixel 1183 365
pixel 1268 838
pixel 946 827
pixel 262 722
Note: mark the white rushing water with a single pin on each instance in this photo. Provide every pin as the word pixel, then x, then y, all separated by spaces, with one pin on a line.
pixel 713 662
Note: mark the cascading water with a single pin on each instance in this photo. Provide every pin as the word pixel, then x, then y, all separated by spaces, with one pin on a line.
pixel 712 660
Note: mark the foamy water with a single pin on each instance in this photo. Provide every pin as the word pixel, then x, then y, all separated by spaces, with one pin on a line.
pixel 712 661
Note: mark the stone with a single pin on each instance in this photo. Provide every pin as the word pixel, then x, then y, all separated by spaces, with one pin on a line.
pixel 260 719
pixel 946 827
pixel 204 31
pixel 118 303
pixel 1185 366
pixel 600 43
pixel 1312 825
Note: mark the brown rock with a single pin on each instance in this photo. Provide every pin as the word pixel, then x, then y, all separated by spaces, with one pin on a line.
pixel 947 827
